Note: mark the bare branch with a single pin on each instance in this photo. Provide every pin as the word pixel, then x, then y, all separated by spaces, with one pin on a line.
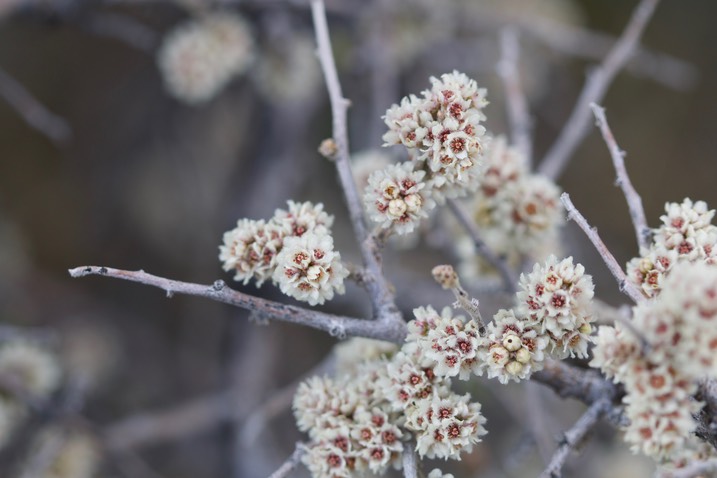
pixel 594 91
pixel 382 297
pixel 336 325
pixel 188 419
pixel 695 469
pixel 626 286
pixel 518 113
pixel 634 202
pixel 510 281
pixel 574 437
pixel 410 467
pixel 291 462
pixel 35 114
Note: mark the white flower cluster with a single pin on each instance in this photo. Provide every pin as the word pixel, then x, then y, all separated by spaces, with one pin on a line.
pixel 436 473
pixel 294 249
pixel 200 57
pixel 289 71
pixel 686 235
pixel 680 325
pixel 358 422
pixel 443 133
pixel 552 318
pixel 33 371
pixel 519 213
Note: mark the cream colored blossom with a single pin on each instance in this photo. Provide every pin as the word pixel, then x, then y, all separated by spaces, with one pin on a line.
pixel 32 368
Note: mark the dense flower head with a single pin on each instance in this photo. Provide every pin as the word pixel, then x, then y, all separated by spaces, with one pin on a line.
pixel 300 218
pixel 320 403
pixel 660 381
pixel 686 235
pixel 294 249
pixel 513 351
pixel 443 128
pixel 30 367
pixel 502 165
pixel 308 268
pixel 555 296
pixel 409 378
pixel 397 197
pixel 288 71
pixel 446 425
pixel 450 344
pixel 200 57
pixel 250 250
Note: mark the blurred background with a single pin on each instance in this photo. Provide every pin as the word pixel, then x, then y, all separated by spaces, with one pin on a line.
pixel 122 173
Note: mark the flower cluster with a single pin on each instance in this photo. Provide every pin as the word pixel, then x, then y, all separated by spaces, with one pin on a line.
pixel 519 213
pixel 398 197
pixel 359 421
pixel 442 130
pixel 686 235
pixel 552 318
pixel 680 327
pixel 199 58
pixel 294 249
pixel 32 371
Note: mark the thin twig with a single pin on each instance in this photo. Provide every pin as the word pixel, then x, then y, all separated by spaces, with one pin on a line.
pixel 291 462
pixel 32 111
pixel 517 106
pixel 695 469
pixel 510 281
pixel 336 325
pixel 626 286
pixel 634 201
pixel 410 467
pixel 382 297
pixel 594 90
pixel 574 437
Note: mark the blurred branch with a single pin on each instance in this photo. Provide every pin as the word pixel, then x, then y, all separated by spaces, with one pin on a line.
pixel 634 202
pixel 583 43
pixel 410 468
pixel 123 28
pixel 574 437
pixel 626 287
pixel 596 86
pixel 518 112
pixel 510 282
pixel 336 325
pixel 291 462
pixel 32 111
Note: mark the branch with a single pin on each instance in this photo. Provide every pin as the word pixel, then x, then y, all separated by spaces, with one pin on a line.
pixel 573 438
pixel 594 91
pixel 382 297
pixel 626 287
pixel 336 325
pixel 509 280
pixel 35 114
pixel 695 469
pixel 410 468
pixel 634 202
pixel 291 462
pixel 518 113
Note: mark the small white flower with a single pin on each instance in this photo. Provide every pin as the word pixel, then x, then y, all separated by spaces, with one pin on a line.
pixel 397 196
pixel 308 268
pixel 304 217
pixel 250 250
pixel 198 58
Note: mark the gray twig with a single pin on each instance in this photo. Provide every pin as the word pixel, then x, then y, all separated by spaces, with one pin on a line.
pixel 35 114
pixel 594 90
pixel 336 325
pixel 291 462
pixel 574 437
pixel 634 201
pixel 382 298
pixel 625 286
